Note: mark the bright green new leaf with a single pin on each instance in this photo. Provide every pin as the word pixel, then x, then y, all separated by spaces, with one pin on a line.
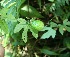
pixel 50 32
pixel 48 52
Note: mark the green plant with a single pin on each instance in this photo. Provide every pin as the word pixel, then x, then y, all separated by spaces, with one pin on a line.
pixel 20 24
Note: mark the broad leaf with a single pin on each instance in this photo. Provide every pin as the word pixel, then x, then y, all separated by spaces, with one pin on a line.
pixel 48 52
pixel 49 33
pixel 30 12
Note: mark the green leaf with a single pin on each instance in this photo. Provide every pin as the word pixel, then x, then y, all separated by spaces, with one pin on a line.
pixel 67 28
pixel 13 6
pixel 3 13
pixel 66 42
pixel 18 27
pixel 48 52
pixel 24 34
pixel 66 22
pixel 34 32
pixel 52 24
pixel 11 25
pixel 30 12
pixel 65 55
pixel 50 32
pixel 61 29
pixel 46 28
pixel 22 21
pixel 51 0
pixel 6 40
pixel 39 2
pixel 4 26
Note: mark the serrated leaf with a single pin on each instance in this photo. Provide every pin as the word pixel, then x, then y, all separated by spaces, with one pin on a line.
pixel 61 29
pixel 24 34
pixel 30 12
pixel 18 28
pixel 49 33
pixel 48 52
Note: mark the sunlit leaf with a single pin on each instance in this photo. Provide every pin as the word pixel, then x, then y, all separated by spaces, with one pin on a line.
pixel 34 32
pixel 18 28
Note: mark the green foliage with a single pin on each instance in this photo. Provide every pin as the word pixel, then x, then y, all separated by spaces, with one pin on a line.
pixel 3 26
pixel 20 23
pixel 65 55
pixel 50 32
pixel 34 32
pixel 48 52
pixel 29 11
pixel 66 42
pixel 24 34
